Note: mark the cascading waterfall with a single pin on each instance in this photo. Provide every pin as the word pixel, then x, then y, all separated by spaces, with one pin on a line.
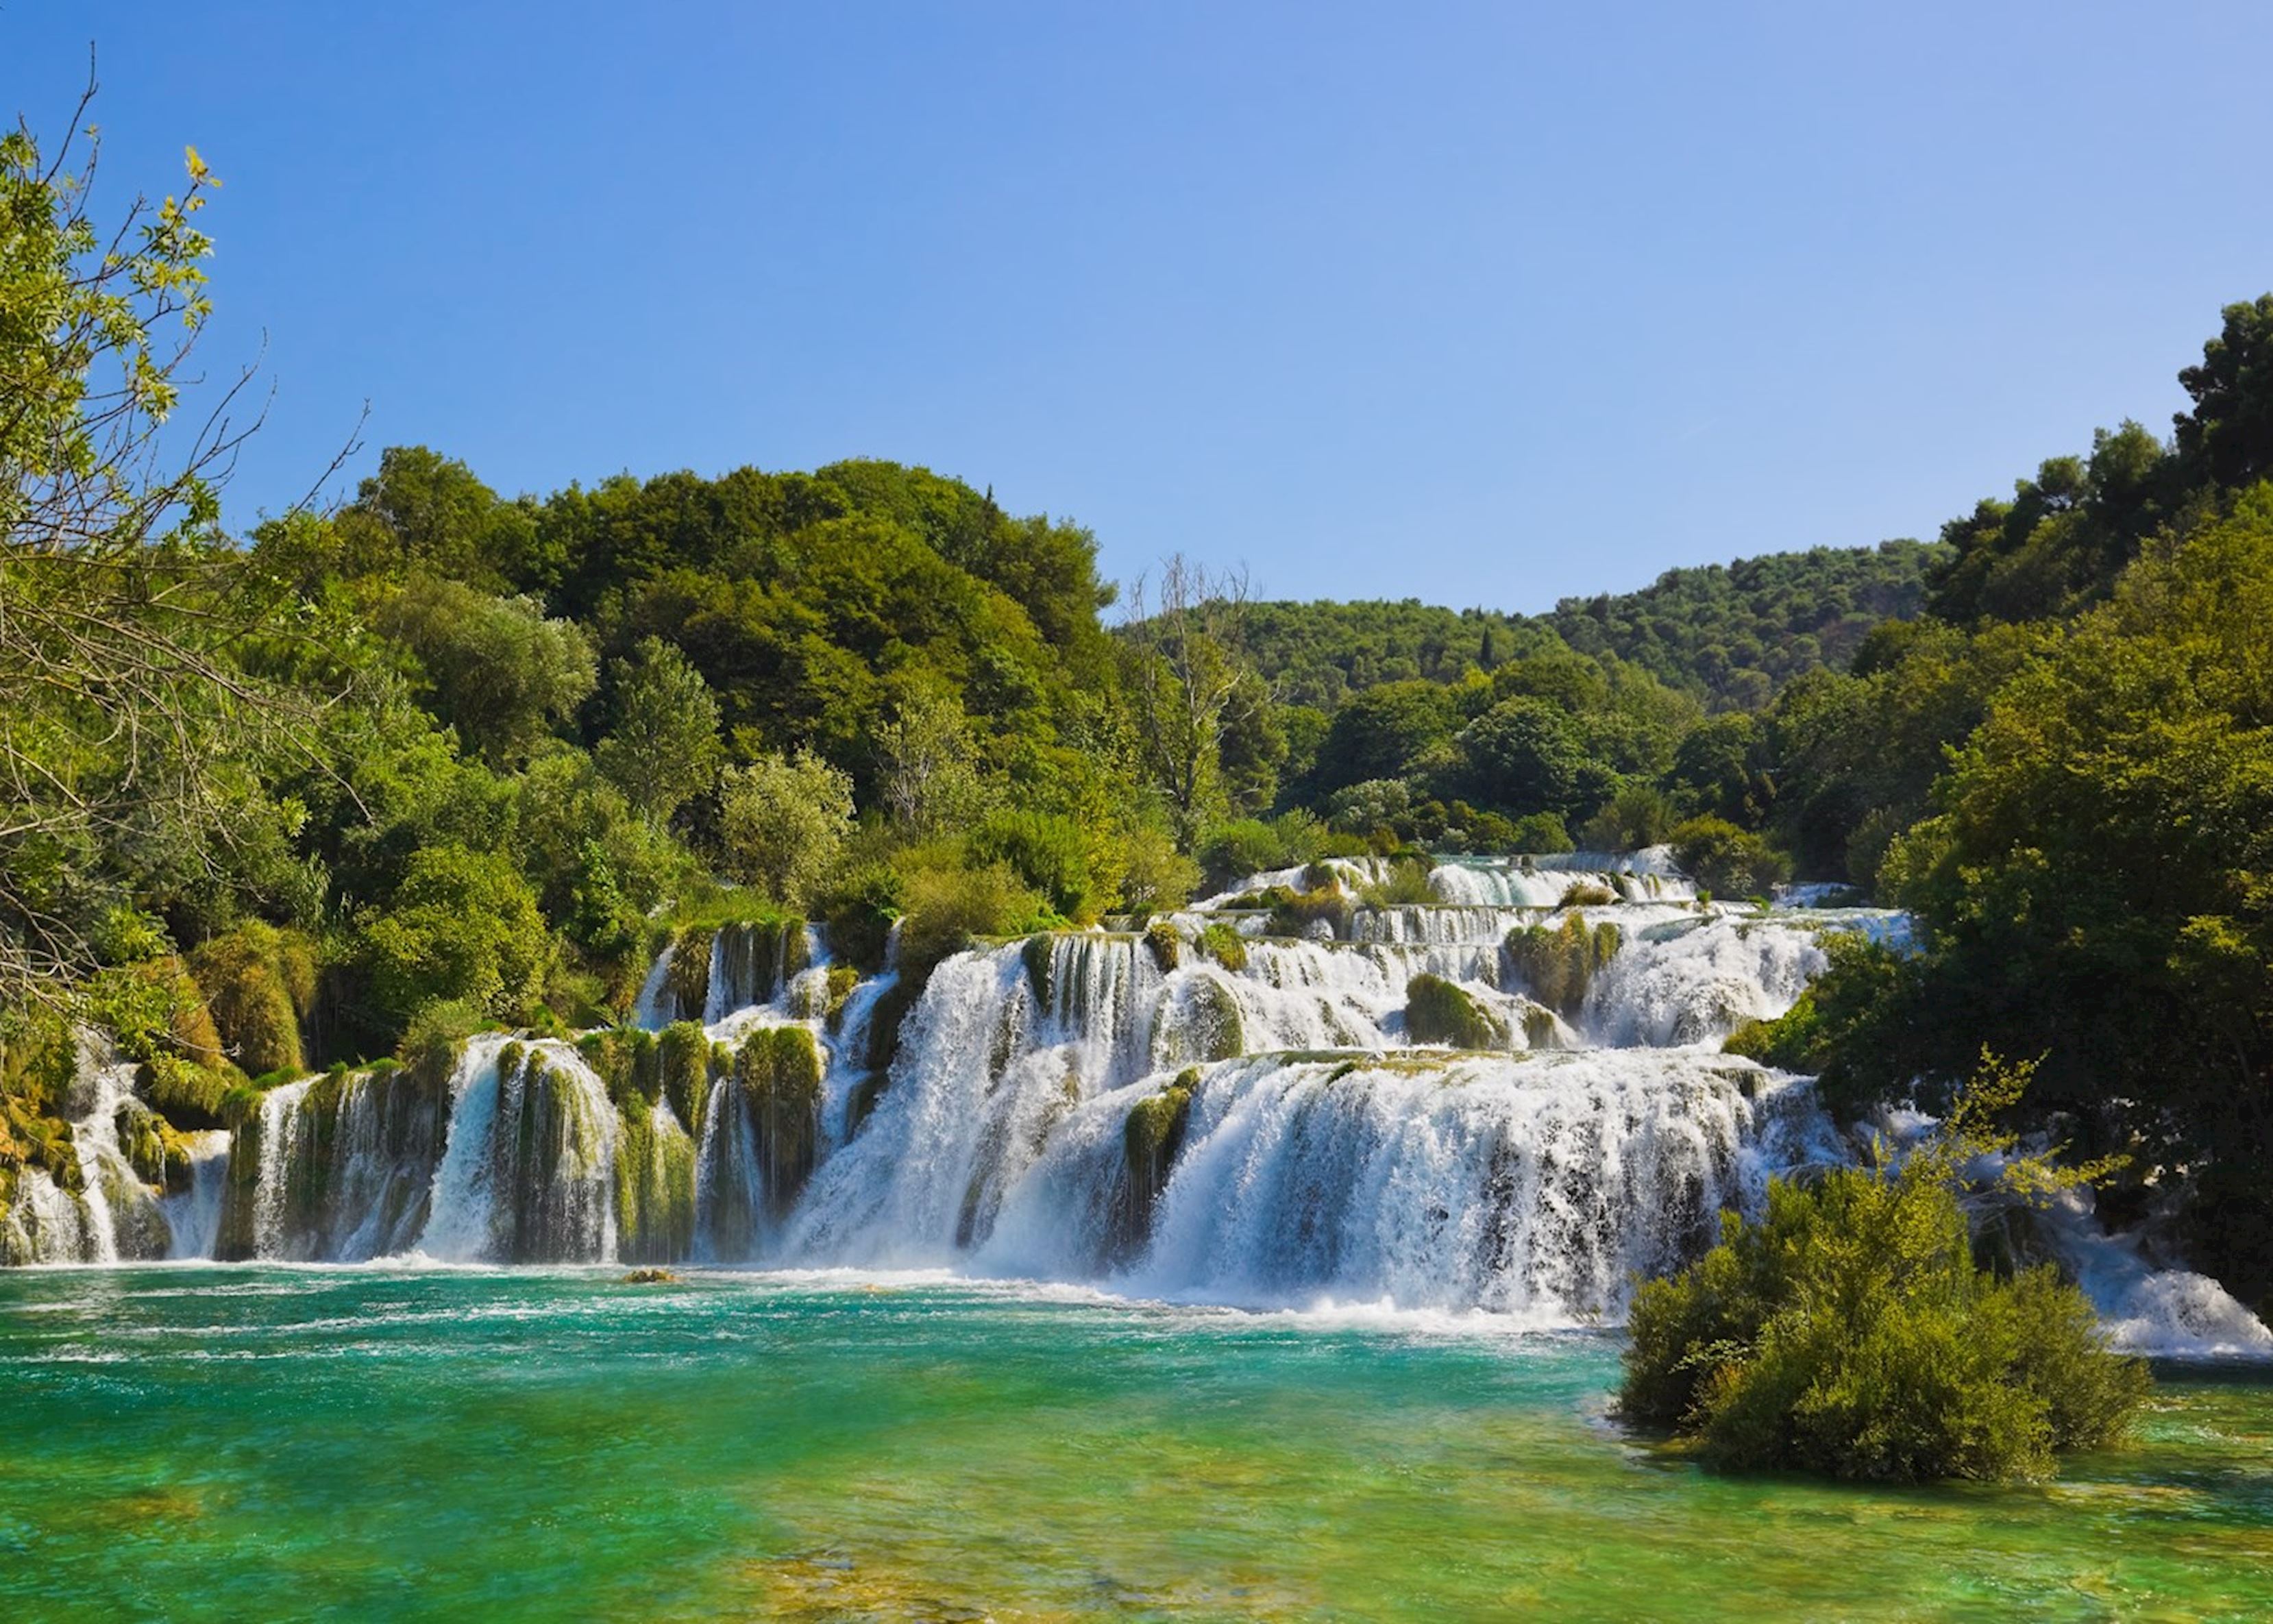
pixel 114 1211
pixel 528 1171
pixel 1509 1100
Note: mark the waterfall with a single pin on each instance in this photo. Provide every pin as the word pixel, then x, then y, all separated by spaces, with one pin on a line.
pixel 527 1174
pixel 1508 1100
pixel 114 1212
pixel 193 1216
pixel 344 1164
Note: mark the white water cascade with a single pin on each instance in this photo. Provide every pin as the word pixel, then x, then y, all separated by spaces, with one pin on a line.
pixel 1510 1100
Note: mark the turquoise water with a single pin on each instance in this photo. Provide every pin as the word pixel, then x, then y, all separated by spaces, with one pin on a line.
pixel 200 1442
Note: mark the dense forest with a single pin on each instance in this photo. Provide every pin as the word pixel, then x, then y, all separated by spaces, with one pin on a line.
pixel 362 780
pixel 1732 635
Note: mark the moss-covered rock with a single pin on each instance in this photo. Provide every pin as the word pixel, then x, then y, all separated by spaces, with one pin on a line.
pixel 1162 942
pixel 686 979
pixel 861 1104
pixel 188 1095
pixel 683 1071
pixel 249 977
pixel 655 1188
pixel 1437 1011
pixel 1150 1137
pixel 886 1016
pixel 1220 941
pixel 1559 965
pixel 778 1072
pixel 1202 1023
pixel 841 979
pixel 1040 955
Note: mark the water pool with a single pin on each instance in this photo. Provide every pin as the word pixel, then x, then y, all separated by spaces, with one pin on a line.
pixel 196 1441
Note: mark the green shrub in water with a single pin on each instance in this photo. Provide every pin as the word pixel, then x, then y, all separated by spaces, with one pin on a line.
pixel 1851 1334
pixel 1437 1011
pixel 1558 966
pixel 1224 944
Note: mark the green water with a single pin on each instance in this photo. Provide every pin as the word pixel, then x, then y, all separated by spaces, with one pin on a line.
pixel 258 1443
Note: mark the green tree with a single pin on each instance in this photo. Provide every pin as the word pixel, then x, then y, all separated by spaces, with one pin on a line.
pixel 497 669
pixel 929 777
pixel 129 721
pixel 462 928
pixel 1189 686
pixel 784 820
pixel 2228 437
pixel 663 747
pixel 2093 882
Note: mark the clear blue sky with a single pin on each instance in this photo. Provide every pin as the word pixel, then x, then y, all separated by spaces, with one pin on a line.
pixel 1482 304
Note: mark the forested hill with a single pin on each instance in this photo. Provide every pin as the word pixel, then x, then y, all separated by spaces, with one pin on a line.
pixel 1731 635
pixel 1735 633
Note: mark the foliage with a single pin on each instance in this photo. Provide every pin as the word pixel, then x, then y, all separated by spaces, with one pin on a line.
pixel 2093 878
pixel 1558 966
pixel 663 747
pixel 464 928
pixel 496 668
pixel 1850 1332
pixel 130 719
pixel 1726 860
pixel 259 985
pixel 949 903
pixel 1047 852
pixel 1437 1011
pixel 783 820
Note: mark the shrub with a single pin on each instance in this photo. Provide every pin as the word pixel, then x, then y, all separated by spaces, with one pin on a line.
pixel 783 821
pixel 1156 875
pixel 1046 852
pixel 947 906
pixel 1849 1029
pixel 1851 1334
pixel 1405 883
pixel 1231 852
pixel 1540 834
pixel 1639 815
pixel 1437 1011
pixel 437 1036
pixel 859 910
pixel 1299 913
pixel 1224 944
pixel 258 983
pixel 1558 966
pixel 463 926
pixel 1726 860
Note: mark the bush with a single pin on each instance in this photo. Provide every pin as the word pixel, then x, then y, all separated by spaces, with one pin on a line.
pixel 1558 966
pixel 1851 1031
pixel 947 906
pixel 1405 883
pixel 259 984
pixel 1851 1334
pixel 1156 875
pixel 1221 942
pixel 859 910
pixel 1639 815
pixel 463 926
pixel 1231 852
pixel 1437 1011
pixel 1540 834
pixel 783 821
pixel 1046 852
pixel 1726 860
